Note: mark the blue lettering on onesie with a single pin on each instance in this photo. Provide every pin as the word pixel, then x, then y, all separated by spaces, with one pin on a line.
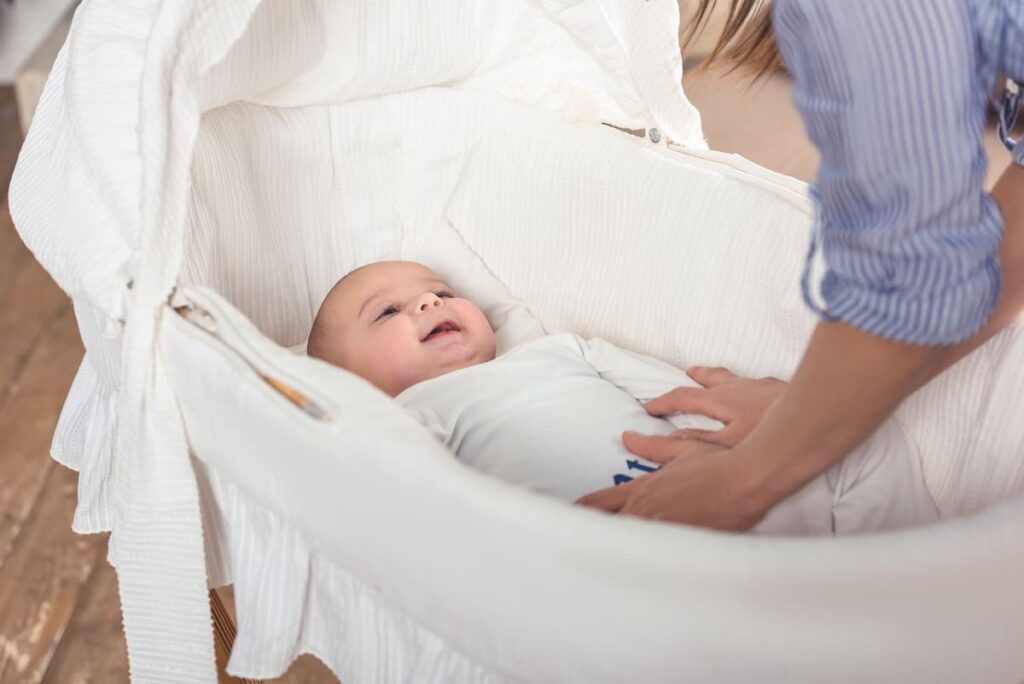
pixel 633 464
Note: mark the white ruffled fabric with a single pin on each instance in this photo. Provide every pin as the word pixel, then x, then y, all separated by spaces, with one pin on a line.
pixel 290 600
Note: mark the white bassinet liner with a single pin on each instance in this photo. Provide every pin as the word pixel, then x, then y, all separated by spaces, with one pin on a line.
pixel 690 258
pixel 322 170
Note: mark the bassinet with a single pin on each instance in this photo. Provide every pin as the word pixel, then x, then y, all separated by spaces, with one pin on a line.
pixel 227 161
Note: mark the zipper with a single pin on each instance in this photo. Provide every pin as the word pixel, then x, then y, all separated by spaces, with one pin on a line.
pixel 204 320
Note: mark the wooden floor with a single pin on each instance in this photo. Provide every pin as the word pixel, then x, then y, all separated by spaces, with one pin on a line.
pixel 60 619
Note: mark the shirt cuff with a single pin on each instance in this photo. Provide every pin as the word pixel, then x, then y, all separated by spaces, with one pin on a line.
pixel 946 315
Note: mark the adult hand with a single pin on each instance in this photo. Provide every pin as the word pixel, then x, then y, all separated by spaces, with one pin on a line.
pixel 700 484
pixel 738 402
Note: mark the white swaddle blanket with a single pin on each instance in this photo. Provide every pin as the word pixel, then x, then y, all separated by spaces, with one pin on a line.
pixel 550 412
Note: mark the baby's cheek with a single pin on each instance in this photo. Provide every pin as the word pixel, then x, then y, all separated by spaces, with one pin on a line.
pixel 483 335
pixel 396 360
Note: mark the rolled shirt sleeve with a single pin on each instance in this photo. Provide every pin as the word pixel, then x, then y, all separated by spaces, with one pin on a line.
pixel 893 94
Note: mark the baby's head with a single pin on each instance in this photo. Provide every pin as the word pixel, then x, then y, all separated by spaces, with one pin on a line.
pixel 396 323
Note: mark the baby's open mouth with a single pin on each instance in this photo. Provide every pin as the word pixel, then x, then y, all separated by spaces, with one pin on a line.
pixel 442 328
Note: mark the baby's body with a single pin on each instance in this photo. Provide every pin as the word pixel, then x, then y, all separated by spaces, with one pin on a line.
pixel 549 415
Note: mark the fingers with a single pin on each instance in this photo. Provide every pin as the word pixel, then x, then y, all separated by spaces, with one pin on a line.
pixel 723 436
pixel 655 447
pixel 611 499
pixel 709 376
pixel 687 400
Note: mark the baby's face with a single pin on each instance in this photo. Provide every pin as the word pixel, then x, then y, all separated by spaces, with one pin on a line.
pixel 396 323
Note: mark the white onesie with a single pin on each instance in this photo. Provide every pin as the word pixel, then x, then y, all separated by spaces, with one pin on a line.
pixel 549 414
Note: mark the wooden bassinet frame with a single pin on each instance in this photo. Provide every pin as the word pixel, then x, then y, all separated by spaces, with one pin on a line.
pixel 224 632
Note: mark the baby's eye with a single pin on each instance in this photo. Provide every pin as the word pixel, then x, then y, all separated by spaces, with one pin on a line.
pixel 387 312
pixel 444 293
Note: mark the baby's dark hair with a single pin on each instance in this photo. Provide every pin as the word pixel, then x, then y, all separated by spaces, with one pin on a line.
pixel 319 334
pixel 317 342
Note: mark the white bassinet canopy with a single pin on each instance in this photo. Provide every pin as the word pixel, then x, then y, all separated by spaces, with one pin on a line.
pixel 230 160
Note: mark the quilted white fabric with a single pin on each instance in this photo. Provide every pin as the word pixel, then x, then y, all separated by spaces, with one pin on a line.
pixel 261 149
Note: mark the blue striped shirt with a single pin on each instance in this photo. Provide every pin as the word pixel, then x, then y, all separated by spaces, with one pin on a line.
pixel 893 93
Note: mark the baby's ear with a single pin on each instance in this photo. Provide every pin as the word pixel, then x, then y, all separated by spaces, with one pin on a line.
pixel 318 344
pixel 312 349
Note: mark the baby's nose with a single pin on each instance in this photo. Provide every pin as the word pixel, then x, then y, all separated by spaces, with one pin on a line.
pixel 428 300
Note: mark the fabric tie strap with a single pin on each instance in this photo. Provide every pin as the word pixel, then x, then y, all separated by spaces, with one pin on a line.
pixel 1008 111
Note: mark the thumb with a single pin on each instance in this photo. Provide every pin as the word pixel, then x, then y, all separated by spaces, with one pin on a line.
pixel 611 499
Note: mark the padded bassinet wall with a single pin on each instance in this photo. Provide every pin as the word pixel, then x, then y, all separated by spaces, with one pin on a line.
pixel 558 250
pixel 261 149
pixel 452 571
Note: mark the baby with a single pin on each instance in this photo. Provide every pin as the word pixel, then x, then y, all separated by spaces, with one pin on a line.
pixel 395 323
pixel 549 413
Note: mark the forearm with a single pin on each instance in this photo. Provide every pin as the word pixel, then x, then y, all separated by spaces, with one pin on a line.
pixel 828 408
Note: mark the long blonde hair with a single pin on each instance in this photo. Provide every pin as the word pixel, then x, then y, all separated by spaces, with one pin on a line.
pixel 747 38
